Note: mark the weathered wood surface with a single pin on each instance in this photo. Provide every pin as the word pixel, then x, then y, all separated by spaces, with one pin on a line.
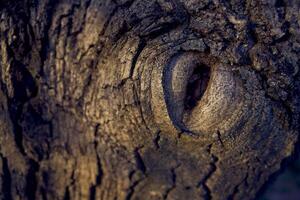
pixel 103 99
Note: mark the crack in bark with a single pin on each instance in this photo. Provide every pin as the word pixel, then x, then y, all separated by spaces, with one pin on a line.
pixel 99 175
pixel 45 39
pixel 217 135
pixel 213 168
pixel 133 186
pixel 236 189
pixel 156 140
pixel 138 103
pixel 72 182
pixel 142 44
pixel 98 180
pixel 203 182
pixel 140 165
pixel 174 178
pixel 67 194
pixel 6 179
pixel 86 7
pixel 139 161
pixel 15 109
pixel 31 179
pixel 25 89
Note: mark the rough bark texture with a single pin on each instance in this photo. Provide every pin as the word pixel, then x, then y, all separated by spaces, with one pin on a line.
pixel 144 99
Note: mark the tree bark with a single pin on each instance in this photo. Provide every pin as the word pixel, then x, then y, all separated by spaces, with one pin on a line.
pixel 136 99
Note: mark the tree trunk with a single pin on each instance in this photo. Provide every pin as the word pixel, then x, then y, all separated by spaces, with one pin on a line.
pixel 136 99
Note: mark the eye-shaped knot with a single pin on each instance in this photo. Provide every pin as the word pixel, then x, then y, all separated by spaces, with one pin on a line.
pixel 195 93
pixel 185 80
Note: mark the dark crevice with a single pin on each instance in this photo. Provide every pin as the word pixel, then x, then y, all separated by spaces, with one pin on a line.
pixel 251 33
pixel 138 104
pixel 50 8
pixel 197 86
pixel 70 22
pixel 98 180
pixel 174 178
pixel 156 140
pixel 279 3
pixel 132 187
pixel 286 36
pixel 85 7
pixel 130 193
pixel 164 28
pixel 22 86
pixel 43 192
pixel 218 134
pixel 31 180
pixel 139 161
pixel 25 88
pixel 67 194
pixel 140 165
pixel 141 46
pixel 178 17
pixel 6 179
pixel 31 118
pixel 121 32
pixel 17 129
pixel 213 168
pixel 125 27
pixel 236 189
pixel 125 4
pixel 208 194
pixel 100 170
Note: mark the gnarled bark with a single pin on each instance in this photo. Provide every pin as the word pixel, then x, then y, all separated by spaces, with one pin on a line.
pixel 135 99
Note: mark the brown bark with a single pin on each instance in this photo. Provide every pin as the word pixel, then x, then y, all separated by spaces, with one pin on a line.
pixel 136 99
